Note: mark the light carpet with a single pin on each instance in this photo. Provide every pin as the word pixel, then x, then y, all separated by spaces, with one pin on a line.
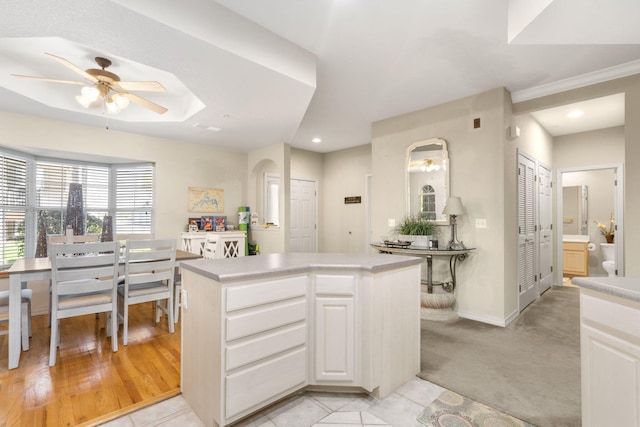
pixel 529 369
pixel 452 410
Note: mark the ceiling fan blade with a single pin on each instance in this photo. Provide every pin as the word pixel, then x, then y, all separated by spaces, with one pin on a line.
pixel 140 86
pixel 45 79
pixel 145 103
pixel 72 67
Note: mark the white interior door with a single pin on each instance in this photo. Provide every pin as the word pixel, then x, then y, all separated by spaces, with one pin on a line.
pixel 303 233
pixel 526 232
pixel 545 218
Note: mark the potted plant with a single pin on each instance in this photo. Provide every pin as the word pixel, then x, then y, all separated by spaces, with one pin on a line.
pixel 417 230
pixel 609 233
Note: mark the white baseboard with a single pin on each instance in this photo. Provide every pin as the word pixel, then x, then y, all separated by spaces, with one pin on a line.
pixel 489 320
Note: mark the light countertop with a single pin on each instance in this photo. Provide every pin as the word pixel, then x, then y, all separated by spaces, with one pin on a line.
pixel 623 287
pixel 254 267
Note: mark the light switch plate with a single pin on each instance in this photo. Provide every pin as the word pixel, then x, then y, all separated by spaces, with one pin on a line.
pixel 184 299
pixel 391 222
pixel 481 223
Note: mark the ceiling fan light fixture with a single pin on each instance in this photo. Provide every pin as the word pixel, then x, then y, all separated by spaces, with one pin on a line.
pixel 121 100
pixel 85 102
pixel 112 106
pixel 90 93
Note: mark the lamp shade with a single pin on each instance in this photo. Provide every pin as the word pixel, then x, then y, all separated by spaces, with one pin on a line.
pixel 453 206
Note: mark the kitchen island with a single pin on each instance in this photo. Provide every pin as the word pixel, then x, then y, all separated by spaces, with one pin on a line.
pixel 610 350
pixel 257 329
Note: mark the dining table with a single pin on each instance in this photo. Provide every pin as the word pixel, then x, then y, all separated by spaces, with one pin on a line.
pixel 30 269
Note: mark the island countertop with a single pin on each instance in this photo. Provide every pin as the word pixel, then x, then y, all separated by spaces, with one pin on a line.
pixel 254 267
pixel 623 287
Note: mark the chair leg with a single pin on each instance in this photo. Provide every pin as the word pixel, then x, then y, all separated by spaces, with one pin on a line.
pixel 125 325
pixel 177 303
pixel 170 313
pixel 24 324
pixel 29 318
pixel 113 325
pixel 53 346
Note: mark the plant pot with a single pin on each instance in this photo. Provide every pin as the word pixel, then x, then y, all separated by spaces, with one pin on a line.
pixel 609 238
pixel 416 240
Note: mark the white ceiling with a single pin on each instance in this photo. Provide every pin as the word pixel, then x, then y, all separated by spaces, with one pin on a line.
pixel 271 71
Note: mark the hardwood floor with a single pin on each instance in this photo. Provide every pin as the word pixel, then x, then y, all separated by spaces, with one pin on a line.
pixel 90 383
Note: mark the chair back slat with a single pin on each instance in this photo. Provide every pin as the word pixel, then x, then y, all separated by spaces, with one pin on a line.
pixel 79 287
pixel 97 260
pixel 81 238
pixel 210 246
pixel 149 261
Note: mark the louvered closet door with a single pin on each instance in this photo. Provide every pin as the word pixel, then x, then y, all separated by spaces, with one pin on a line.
pixel 526 231
pixel 544 230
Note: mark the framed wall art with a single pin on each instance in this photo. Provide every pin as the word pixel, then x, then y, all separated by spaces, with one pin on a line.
pixel 206 200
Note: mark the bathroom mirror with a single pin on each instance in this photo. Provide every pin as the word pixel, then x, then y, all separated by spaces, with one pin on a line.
pixel 574 210
pixel 427 180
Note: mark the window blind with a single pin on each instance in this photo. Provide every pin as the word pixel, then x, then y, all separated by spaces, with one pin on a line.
pixel 134 199
pixel 52 191
pixel 34 193
pixel 13 207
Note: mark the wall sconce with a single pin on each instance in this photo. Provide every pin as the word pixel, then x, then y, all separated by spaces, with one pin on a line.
pixel 454 208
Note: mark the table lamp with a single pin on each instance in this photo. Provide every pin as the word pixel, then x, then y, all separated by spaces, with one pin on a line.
pixel 454 208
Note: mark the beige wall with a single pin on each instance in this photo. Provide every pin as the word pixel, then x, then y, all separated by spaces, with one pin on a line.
pixel 345 174
pixel 478 167
pixel 178 165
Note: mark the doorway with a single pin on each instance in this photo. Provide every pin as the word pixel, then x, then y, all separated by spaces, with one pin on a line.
pixel 593 177
pixel 303 230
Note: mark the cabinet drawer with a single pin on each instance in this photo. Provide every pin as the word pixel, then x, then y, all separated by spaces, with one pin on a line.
pixel 265 346
pixel 265 382
pixel 611 312
pixel 263 319
pixel 265 292
pixel 329 284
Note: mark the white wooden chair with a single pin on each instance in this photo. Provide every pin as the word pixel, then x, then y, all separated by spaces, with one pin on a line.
pixel 62 238
pixel 25 314
pixel 149 275
pixel 210 246
pixel 229 247
pixel 83 281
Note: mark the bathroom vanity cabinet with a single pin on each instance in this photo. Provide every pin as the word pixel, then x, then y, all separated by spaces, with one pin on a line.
pixel 256 329
pixel 610 351
pixel 575 259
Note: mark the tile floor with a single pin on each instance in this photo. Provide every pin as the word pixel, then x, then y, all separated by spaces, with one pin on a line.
pixel 307 409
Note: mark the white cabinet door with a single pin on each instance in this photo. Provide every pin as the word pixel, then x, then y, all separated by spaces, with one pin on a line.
pixel 335 324
pixel 610 380
pixel 335 339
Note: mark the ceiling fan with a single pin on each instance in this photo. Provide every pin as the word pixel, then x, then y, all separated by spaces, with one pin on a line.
pixel 107 87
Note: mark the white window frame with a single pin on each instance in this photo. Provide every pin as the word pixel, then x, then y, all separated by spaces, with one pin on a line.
pixel 33 207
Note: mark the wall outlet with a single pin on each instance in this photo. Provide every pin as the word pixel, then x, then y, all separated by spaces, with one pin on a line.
pixel 183 299
pixel 391 222
pixel 481 223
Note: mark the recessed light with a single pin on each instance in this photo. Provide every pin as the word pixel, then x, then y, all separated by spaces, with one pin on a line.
pixel 316 140
pixel 575 114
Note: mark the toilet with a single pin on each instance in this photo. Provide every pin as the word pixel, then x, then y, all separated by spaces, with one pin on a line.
pixel 609 258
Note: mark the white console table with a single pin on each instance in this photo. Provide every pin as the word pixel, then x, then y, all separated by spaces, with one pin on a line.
pixel 194 242
pixel 256 329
